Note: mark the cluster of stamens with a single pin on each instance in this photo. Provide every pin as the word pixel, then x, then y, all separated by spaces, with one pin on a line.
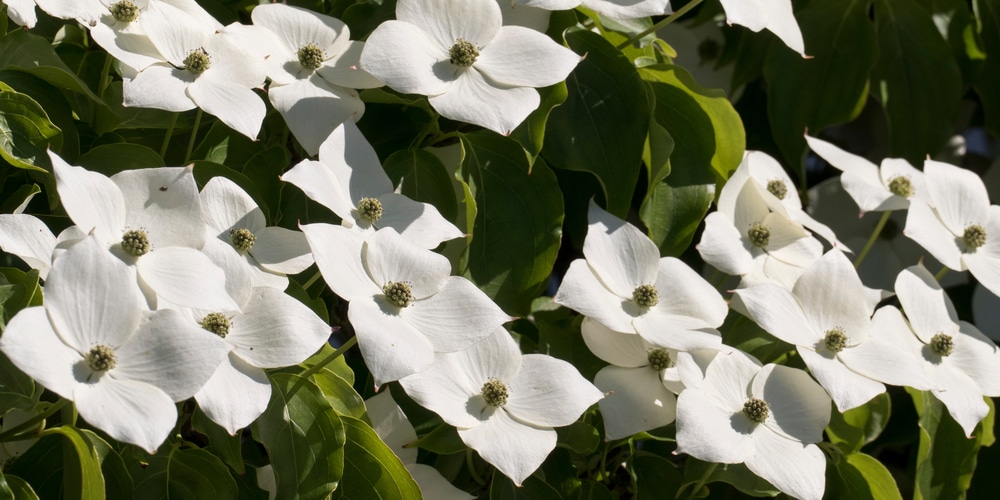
pixel 901 186
pixel 398 293
pixel 942 344
pixel 835 340
pixel 777 188
pixel 646 295
pixel 135 242
pixel 756 410
pixel 759 235
pixel 124 11
pixel 216 323
pixel 495 392
pixel 198 61
pixel 101 358
pixel 370 209
pixel 974 236
pixel 242 239
pixel 659 359
pixel 310 56
pixel 463 53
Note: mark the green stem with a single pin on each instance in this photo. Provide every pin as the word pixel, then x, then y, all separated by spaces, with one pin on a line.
pixel 105 75
pixel 168 135
pixel 472 468
pixel 872 238
pixel 54 407
pixel 702 480
pixel 329 359
pixel 673 17
pixel 194 134
pixel 940 274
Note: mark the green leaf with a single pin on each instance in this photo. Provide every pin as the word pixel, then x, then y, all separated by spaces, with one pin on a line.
pixel 519 222
pixel 829 88
pixel 264 169
pixel 443 440
pixel 338 366
pixel 220 443
pixel 862 425
pixel 340 394
pixel 602 126
pixel 423 177
pixel 579 436
pixel 533 488
pixel 22 195
pixel 371 469
pixel 82 476
pixel 20 289
pixel 56 107
pixel 185 474
pixel 226 146
pixel 736 475
pixel 117 480
pixel 25 132
pixel 988 12
pixel 742 333
pixel 304 438
pixel 559 336
pixel 655 477
pixel 946 458
pixel 531 133
pixel 859 476
pixel 17 390
pixel 18 488
pixel 589 490
pixel 110 159
pixel 42 467
pixel 920 110
pixel 33 54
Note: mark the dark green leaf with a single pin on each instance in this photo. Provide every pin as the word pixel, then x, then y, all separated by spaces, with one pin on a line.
pixel 340 394
pixel 82 476
pixel 110 159
pixel 423 178
pixel 18 197
pixel 590 490
pixel 602 126
pixel 988 12
pixel 580 437
pixel 117 480
pixel 443 440
pixel 18 488
pixel 304 438
pixel 519 222
pixel 33 54
pixel 17 390
pixel 226 146
pixel 742 333
pixel 736 475
pixel 185 474
pixel 264 169
pixel 365 15
pixel 55 105
pixel 531 133
pixel 533 488
pixel 338 366
pixel 371 469
pixel 220 443
pixel 920 110
pixel 859 476
pixel 559 336
pixel 25 132
pixel 861 425
pixel 655 477
pixel 42 467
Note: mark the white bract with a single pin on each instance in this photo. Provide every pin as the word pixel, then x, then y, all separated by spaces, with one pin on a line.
pixel 504 404
pixel 349 180
pixel 151 219
pixel 208 67
pixel 766 417
pixel 471 67
pixel 313 67
pixel 874 188
pixel 22 12
pixel 404 306
pixel 963 364
pixel 392 426
pixel 625 285
pixel 827 316
pixel 93 343
pixel 958 226
pixel 625 9
pixel 773 15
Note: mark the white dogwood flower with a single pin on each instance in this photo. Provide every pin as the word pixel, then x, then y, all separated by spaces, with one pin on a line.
pixel 504 404
pixel 471 67
pixel 773 15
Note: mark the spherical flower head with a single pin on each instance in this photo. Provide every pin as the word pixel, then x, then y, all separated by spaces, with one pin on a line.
pixel 463 53
pixel 398 293
pixel 310 56
pixel 125 11
pixel 495 392
pixel 243 239
pixel 370 209
pixel 756 410
pixel 101 358
pixel 901 186
pixel 974 237
pixel 835 340
pixel 759 235
pixel 136 242
pixel 216 323
pixel 659 359
pixel 777 188
pixel 198 61
pixel 942 344
pixel 646 295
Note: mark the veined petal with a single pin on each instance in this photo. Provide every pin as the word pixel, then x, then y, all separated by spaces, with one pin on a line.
pixel 711 430
pixel 774 15
pixel 392 426
pixel 868 196
pixel 319 183
pixel 832 296
pixel 723 246
pixel 238 271
pixel 418 222
pixel 583 292
pixel 684 292
pixel 30 342
pixel 779 312
pixel 235 395
pixel 474 99
pixel 962 396
pixel 924 227
pixel 390 257
pixel 891 354
pixel 795 468
pixel 817 227
pixel 391 347
pixel 621 256
pixel 516 449
pixel 984 262
pixel 130 46
pixel 676 332
pixel 750 206
pixel 847 388
pixel 959 196
pixel 170 353
pixel 282 250
pixel 978 357
pixel 456 317
pixel 235 105
pixel 636 400
pixel 313 108
pixel 276 330
pixel 297 27
pixel 892 168
pixel 407 59
pixel 186 277
pixel 628 9
pixel 523 57
pixel 175 32
pixel 159 86
pixel 799 407
pixel 27 237
pixel 127 410
pixel 92 200
pixel 445 21
pixel 22 12
pixel 355 164
pixel 433 485
pixel 344 69
pixel 226 206
pixel 337 251
pixel 621 349
pixel 789 242
pixel 164 201
pixel 549 392
pixel 927 306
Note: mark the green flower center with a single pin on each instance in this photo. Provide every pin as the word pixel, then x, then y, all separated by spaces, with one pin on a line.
pixel 125 11
pixel 759 235
pixel 198 61
pixel 242 239
pixel 101 358
pixel 901 186
pixel 398 293
pixel 942 344
pixel 310 56
pixel 974 237
pixel 835 340
pixel 495 392
pixel 778 188
pixel 370 209
pixel 463 53
pixel 756 410
pixel 659 359
pixel 136 243
pixel 216 323
pixel 646 295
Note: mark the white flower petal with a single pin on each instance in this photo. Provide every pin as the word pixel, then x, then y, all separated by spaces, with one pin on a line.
pixel 959 196
pixel 628 9
pixel 276 330
pixel 27 237
pixel 128 411
pixel 390 257
pixel 926 304
pixel 452 385
pixel 636 401
pixel 774 15
pixel 235 105
pixel 319 183
pixel 891 354
pixel 338 254
pixel 355 164
pixel 683 292
pixel 847 388
pixel 978 357
pixel 523 57
pixel 456 317
pixel 832 296
pixel 621 256
pixel 36 349
pixel 418 222
pixel 313 108
pixel 963 398
pixel 795 468
pixel 235 395
pixel 391 347
pixel 583 292
pixel 392 426
pixel 622 349
pixel 297 27
pixel 165 203
pixel 515 448
pixel 186 277
pixel 445 21
pixel 407 59
pixel 711 430
pixel 344 69
pixel 778 312
pixel 474 99
pixel 676 332
pixel 159 86
pixel 549 392
pixel 22 12
pixel 433 485
pixel 984 263
pixel 282 250
pixel 226 206
pixel 722 246
pixel 130 45
pixel 799 407
pixel 892 168
pixel 238 272
pixel 92 200
pixel 790 243
pixel 924 227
